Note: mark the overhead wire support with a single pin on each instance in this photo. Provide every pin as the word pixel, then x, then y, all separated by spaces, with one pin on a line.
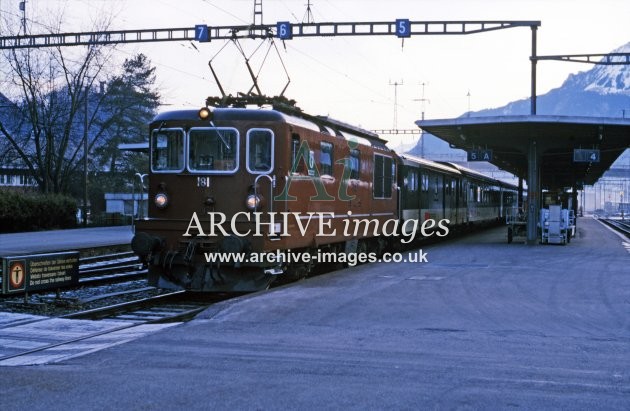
pixel 393 131
pixel 609 59
pixel 382 28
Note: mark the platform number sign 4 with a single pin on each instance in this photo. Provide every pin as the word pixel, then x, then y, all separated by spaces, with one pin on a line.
pixel 202 33
pixel 403 28
pixel 284 30
pixel 585 156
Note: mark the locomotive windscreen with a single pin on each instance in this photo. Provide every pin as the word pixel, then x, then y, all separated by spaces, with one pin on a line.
pixel 213 149
pixel 167 152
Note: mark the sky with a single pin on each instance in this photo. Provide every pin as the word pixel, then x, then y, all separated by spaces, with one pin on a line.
pixel 350 78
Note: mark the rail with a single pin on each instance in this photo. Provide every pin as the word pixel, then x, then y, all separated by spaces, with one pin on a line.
pixel 166 308
pixel 621 226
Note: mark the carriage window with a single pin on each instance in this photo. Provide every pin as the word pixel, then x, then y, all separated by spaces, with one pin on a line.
pixel 259 151
pixel 425 182
pixel 326 158
pixel 167 150
pixel 355 163
pixel 412 180
pixel 213 150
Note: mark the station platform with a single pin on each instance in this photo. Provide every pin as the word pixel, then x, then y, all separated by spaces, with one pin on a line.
pixel 37 242
pixel 481 325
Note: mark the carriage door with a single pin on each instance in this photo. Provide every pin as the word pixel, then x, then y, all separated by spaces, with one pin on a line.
pixel 449 199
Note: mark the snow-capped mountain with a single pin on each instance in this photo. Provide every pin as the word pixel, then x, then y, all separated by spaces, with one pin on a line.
pixel 604 79
pixel 602 91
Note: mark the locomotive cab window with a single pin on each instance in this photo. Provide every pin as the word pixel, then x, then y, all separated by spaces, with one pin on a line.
pixel 213 150
pixel 167 150
pixel 259 148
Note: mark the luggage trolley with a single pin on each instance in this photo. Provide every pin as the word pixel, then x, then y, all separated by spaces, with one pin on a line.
pixel 557 225
pixel 516 222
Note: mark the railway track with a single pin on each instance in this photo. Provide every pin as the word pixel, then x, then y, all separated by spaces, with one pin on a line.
pixel 76 334
pixel 159 309
pixel 107 268
pixel 622 226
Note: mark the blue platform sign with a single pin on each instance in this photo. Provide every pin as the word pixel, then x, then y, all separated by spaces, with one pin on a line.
pixel 202 33
pixel 480 155
pixel 403 28
pixel 284 30
pixel 585 156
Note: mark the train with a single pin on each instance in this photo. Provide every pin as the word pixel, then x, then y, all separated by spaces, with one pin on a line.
pixel 243 195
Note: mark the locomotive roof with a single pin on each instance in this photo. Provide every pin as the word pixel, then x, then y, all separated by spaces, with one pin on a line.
pixel 316 123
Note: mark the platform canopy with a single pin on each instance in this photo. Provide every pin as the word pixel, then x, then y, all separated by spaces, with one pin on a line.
pixel 510 139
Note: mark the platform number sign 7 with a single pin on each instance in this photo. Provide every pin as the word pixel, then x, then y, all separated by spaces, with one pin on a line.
pixel 403 28
pixel 202 33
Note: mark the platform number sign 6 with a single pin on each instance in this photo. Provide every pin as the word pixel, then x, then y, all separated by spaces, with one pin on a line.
pixel 202 34
pixel 403 28
pixel 284 30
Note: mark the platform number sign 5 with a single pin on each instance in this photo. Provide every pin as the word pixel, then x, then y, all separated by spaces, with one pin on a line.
pixel 403 28
pixel 202 33
pixel 284 30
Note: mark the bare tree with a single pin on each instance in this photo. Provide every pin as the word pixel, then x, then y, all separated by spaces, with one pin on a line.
pixel 53 88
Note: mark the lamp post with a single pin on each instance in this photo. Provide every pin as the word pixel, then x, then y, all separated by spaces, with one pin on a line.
pixel 140 208
pixel 85 157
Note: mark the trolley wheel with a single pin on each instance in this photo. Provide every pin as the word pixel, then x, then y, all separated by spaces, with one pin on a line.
pixel 510 235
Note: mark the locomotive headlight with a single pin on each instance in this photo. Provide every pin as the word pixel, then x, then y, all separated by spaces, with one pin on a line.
pixel 253 202
pixel 161 200
pixel 205 113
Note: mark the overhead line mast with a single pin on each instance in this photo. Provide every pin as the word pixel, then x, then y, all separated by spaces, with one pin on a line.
pixel 283 30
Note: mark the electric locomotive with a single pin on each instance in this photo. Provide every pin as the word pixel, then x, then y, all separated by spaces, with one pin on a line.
pixel 243 181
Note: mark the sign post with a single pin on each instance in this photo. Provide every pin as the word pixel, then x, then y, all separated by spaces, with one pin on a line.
pixel 25 273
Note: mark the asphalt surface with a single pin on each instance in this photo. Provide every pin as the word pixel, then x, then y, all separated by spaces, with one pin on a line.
pixel 481 325
pixel 62 240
